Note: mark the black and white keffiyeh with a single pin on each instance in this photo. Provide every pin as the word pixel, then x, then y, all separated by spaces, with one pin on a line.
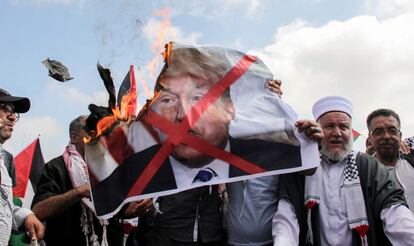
pixel 78 173
pixel 351 189
pixel 410 142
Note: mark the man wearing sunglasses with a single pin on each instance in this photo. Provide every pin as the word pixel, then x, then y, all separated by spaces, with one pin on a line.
pixel 385 135
pixel 11 216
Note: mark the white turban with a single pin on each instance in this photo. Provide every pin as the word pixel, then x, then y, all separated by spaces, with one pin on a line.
pixel 330 104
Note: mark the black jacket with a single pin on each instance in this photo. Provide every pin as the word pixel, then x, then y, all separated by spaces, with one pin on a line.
pixel 64 229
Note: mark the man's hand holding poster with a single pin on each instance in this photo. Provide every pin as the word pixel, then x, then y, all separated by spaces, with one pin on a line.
pixel 212 120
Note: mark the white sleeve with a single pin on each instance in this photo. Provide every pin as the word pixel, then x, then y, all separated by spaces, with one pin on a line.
pixel 19 216
pixel 398 223
pixel 285 226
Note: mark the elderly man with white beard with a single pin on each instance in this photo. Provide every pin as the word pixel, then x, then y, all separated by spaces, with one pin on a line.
pixel 350 200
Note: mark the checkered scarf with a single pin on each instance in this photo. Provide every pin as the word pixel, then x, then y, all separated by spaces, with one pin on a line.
pixel 351 188
pixel 410 142
pixel 78 173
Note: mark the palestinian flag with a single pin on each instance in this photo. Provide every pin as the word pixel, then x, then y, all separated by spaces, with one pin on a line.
pixel 355 135
pixel 29 166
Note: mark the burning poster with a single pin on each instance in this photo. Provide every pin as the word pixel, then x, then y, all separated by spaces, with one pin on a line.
pixel 211 120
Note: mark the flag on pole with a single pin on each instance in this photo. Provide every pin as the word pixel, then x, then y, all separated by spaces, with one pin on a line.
pixel 29 166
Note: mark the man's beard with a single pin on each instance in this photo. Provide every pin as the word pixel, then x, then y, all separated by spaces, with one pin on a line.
pixel 388 154
pixel 339 156
pixel 4 134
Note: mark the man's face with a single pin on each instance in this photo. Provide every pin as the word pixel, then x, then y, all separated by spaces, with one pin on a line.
pixel 7 121
pixel 385 136
pixel 176 98
pixel 76 138
pixel 337 131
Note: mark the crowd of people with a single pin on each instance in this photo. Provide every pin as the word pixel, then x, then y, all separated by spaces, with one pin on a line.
pixel 352 198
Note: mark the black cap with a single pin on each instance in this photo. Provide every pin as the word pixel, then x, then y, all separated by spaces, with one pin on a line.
pixel 21 104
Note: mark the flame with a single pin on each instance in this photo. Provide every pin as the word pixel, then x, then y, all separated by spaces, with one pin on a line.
pixel 157 48
pixel 126 111
pixel 128 102
pixel 158 45
pixel 144 84
pixel 167 53
pixel 128 105
pixel 104 124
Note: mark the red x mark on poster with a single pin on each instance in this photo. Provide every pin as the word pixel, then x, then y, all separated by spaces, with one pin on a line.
pixel 178 133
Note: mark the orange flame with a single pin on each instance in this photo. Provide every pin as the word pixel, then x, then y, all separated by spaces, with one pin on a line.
pixel 158 45
pixel 144 84
pixel 167 53
pixel 126 111
pixel 123 112
pixel 108 122
pixel 128 105
pixel 102 125
pixel 157 48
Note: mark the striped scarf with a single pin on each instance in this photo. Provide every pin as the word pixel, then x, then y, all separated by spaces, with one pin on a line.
pixel 78 173
pixel 351 188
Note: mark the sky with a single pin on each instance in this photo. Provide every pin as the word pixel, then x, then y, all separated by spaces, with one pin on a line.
pixel 359 49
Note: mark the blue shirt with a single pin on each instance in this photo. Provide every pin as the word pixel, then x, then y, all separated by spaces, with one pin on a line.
pixel 252 205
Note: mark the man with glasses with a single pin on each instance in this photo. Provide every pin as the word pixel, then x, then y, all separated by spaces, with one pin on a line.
pixel 385 136
pixel 11 216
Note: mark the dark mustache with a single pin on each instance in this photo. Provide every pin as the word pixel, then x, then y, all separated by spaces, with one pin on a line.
pixel 387 142
pixel 7 122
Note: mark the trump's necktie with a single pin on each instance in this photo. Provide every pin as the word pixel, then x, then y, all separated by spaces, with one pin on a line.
pixel 204 175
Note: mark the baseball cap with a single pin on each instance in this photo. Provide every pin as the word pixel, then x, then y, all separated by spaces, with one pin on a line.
pixel 21 104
